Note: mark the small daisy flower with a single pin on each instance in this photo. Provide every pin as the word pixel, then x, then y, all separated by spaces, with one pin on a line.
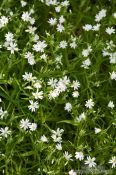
pixel 60 28
pixel 75 94
pixel 52 21
pixel 33 105
pixel 24 124
pixel 39 46
pixel 113 75
pixel 81 117
pixel 90 161
pixel 28 77
pixel 110 30
pixel 68 156
pixel 68 107
pixel 33 126
pixel 111 104
pixel 87 27
pixel 79 155
pixel 26 16
pixel 97 130
pixel 59 146
pixel 43 138
pixel 2 113
pixel 38 95
pixel 63 44
pixel 72 172
pixel 89 104
pixel 5 132
pixel 75 85
pixel 113 161
pixel 86 63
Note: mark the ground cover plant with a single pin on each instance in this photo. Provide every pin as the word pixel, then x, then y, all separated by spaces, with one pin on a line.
pixel 57 87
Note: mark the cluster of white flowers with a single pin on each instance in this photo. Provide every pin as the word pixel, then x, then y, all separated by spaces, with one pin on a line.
pixel 30 57
pixel 57 135
pixel 27 18
pixel 89 27
pixel 27 125
pixel 10 43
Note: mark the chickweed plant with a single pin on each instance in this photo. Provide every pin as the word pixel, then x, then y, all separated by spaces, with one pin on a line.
pixel 57 87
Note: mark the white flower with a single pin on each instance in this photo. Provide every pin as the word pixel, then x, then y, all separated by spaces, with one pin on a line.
pixel 43 138
pixel 57 9
pixel 5 132
pixel 58 132
pixel 61 20
pixel 59 146
pixel 72 172
pixel 35 38
pixel 28 77
pixel 52 82
pixel 53 94
pixel 97 130
pixel 33 126
pixel 113 58
pixel 30 57
pixel 87 51
pixel 68 107
pixel 96 27
pixel 79 155
pixel 23 3
pixel 73 45
pixel 63 44
pixel 90 162
pixel 12 47
pixel 111 104
pixel 114 15
pixel 67 156
pixel 31 30
pixel 52 21
pixel 37 85
pixel 110 30
pixel 113 75
pixel 3 21
pixel 86 63
pixel 75 94
pixel 65 3
pixel 89 103
pixel 81 117
pixel 44 57
pixel 100 15
pixel 33 105
pixel 40 46
pixel 24 124
pixel 75 85
pixel 87 27
pixel 113 161
pixel 3 113
pixel 26 16
pixel 60 28
pixel 9 37
pixel 56 135
pixel 38 95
